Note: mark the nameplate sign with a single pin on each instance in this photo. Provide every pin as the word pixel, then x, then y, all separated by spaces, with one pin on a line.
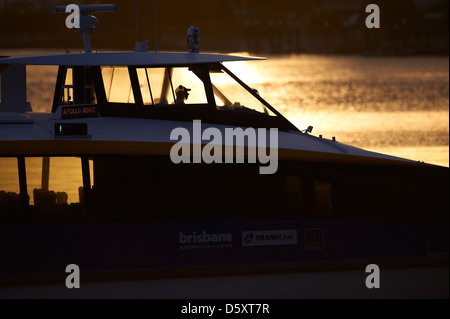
pixel 79 111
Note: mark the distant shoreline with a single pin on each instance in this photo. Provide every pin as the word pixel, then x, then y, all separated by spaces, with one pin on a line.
pixel 13 49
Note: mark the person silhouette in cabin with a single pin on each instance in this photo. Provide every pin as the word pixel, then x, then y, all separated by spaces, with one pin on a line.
pixel 182 94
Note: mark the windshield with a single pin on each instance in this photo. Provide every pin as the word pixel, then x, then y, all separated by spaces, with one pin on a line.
pixel 158 86
pixel 232 96
pixel 165 86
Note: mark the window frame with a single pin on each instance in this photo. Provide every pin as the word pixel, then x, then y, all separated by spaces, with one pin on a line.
pixel 23 184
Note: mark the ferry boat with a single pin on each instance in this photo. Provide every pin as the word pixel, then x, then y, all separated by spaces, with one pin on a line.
pixel 94 183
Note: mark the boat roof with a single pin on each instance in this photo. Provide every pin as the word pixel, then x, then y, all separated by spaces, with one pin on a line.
pixel 125 58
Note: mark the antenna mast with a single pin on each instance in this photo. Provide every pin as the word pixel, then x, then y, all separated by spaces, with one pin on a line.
pixel 156 31
pixel 139 46
pixel 87 22
pixel 136 18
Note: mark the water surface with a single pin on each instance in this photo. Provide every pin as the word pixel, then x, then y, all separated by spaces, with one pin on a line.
pixel 394 105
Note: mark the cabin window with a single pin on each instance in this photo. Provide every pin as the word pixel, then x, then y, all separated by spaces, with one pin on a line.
pixel 117 85
pixel 291 194
pixel 184 77
pixel 168 86
pixel 9 175
pixel 323 199
pixel 160 84
pixel 57 178
pixel 90 94
pixel 78 86
pixel 144 85
pixel 67 96
pixel 242 193
pixel 156 85
pixel 55 188
pixel 231 96
pixel 9 186
pixel 54 191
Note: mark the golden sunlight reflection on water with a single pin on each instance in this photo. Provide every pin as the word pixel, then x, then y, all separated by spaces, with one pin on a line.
pixel 421 136
pixel 393 105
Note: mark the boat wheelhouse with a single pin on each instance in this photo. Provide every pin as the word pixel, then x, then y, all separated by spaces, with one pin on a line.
pixel 93 183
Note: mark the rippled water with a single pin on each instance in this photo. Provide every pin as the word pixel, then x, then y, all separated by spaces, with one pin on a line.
pixel 353 83
pixel 394 105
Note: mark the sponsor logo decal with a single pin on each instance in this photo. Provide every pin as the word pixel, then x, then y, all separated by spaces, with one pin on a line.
pixel 205 240
pixel 76 112
pixel 249 238
pixel 314 239
pixel 269 237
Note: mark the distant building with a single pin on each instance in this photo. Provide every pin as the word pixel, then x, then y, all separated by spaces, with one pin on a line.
pixel 263 26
